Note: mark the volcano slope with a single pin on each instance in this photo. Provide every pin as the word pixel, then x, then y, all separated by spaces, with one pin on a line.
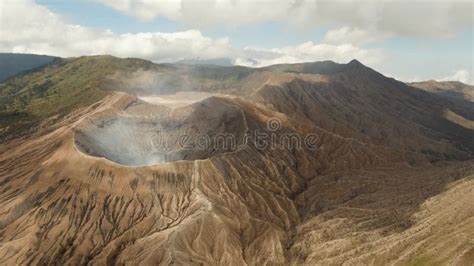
pixel 387 180
pixel 451 89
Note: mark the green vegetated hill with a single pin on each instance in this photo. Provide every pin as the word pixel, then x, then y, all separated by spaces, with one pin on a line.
pixel 56 90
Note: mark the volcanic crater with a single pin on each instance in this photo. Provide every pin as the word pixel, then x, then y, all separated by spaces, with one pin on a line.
pixel 138 133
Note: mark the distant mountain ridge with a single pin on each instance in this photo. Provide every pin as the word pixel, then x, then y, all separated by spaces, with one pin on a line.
pixel 215 62
pixel 13 64
pixel 452 89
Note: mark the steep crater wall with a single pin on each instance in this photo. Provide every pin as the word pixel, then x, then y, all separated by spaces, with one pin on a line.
pixel 197 131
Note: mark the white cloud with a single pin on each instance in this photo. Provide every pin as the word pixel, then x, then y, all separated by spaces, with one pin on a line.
pixel 310 51
pixel 30 28
pixel 401 17
pixel 462 75
pixel 352 35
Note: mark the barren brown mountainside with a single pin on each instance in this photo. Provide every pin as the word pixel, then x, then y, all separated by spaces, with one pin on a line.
pixel 388 177
pixel 453 89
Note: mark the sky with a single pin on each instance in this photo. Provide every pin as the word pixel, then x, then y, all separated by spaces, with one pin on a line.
pixel 405 39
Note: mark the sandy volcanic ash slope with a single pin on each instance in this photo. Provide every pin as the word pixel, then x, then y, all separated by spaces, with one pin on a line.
pixel 359 198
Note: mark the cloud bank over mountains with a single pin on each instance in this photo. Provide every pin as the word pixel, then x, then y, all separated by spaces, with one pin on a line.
pixel 31 28
pixel 384 16
pixel 27 27
pixel 461 75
